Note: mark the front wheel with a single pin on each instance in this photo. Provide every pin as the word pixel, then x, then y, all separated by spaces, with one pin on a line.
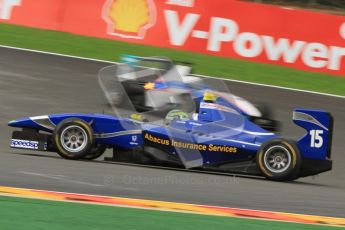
pixel 73 138
pixel 96 151
pixel 279 159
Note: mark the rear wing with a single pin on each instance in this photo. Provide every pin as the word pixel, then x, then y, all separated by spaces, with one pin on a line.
pixel 317 142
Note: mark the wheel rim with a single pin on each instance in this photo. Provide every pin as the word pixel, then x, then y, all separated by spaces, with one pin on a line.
pixel 277 159
pixel 73 138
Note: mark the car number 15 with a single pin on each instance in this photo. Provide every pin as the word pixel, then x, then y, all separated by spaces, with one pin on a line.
pixel 316 138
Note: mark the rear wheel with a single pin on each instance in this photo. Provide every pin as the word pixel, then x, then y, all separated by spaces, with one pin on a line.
pixel 279 159
pixel 73 138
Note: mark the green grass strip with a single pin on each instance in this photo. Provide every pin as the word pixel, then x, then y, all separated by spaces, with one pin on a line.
pixel 70 44
pixel 23 213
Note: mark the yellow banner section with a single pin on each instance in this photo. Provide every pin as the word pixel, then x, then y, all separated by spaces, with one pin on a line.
pixel 171 206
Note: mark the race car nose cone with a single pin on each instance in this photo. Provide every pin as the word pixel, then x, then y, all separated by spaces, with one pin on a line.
pixel 11 122
pixel 22 122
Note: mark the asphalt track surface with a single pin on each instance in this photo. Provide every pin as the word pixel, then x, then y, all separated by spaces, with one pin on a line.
pixel 36 84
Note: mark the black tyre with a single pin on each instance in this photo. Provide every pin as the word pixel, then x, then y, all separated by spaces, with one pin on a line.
pixel 266 120
pixel 96 151
pixel 279 159
pixel 73 138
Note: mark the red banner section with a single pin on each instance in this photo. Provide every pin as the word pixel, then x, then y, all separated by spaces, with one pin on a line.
pixel 228 28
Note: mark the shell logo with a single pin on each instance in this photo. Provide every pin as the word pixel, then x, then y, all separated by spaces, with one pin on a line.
pixel 342 30
pixel 129 18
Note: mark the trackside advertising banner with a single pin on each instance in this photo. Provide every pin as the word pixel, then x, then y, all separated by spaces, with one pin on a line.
pixel 228 28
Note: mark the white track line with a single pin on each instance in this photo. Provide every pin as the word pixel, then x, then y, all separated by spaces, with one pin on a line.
pixel 232 80
pixel 57 54
pixel 275 86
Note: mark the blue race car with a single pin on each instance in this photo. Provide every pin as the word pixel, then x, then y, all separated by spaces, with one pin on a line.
pixel 140 82
pixel 176 132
